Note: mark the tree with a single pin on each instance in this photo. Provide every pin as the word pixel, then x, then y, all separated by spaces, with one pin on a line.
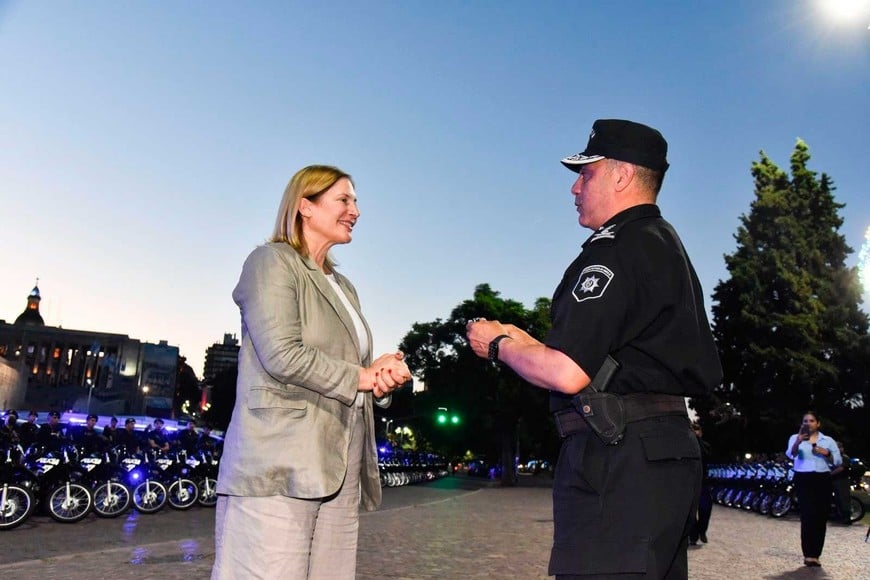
pixel 498 408
pixel 787 324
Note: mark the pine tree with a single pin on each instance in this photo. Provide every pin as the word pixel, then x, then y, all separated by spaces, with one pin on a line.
pixel 787 323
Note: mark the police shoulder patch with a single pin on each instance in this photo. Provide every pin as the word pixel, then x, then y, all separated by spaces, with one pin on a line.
pixel 593 282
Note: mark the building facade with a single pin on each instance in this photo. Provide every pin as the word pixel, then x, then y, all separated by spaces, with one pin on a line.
pixel 220 357
pixel 67 369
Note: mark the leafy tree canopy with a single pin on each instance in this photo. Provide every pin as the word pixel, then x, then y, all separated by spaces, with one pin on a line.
pixel 787 323
pixel 499 410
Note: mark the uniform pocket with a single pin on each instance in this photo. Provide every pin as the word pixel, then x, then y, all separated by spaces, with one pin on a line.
pixel 266 398
pixel 670 444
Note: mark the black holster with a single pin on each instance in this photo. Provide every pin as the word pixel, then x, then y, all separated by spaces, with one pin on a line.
pixel 604 412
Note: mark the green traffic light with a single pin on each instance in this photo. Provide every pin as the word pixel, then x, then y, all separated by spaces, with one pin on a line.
pixel 454 419
pixel 442 418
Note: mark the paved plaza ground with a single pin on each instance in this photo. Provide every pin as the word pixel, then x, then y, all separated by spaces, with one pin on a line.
pixel 486 533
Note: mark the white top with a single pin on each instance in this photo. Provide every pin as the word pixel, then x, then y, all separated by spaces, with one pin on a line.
pixel 357 324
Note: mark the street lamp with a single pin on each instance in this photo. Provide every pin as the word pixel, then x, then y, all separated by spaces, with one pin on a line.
pixel 90 390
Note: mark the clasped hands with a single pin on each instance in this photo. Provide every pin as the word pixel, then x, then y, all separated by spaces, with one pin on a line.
pixel 386 374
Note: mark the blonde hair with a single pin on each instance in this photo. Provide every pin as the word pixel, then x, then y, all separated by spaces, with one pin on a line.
pixel 308 183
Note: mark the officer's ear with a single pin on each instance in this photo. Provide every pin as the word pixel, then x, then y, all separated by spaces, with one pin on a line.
pixel 623 174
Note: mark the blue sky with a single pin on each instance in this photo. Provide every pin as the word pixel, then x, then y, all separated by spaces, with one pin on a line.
pixel 145 145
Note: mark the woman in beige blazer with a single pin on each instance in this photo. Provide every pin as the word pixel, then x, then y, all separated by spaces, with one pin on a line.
pixel 299 455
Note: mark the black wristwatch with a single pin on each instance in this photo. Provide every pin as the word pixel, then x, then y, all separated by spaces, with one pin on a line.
pixel 493 347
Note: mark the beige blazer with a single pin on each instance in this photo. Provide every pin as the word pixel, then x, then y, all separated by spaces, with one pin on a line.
pixel 298 374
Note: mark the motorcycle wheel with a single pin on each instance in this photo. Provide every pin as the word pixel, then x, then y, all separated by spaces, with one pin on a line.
pixel 69 502
pixel 182 494
pixel 207 492
pixel 111 499
pixel 149 496
pixel 16 505
pixel 781 506
pixel 756 501
pixel 766 504
pixel 856 509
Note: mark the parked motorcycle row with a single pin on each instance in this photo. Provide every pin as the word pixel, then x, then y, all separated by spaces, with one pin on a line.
pixel 404 467
pixel 68 483
pixel 767 487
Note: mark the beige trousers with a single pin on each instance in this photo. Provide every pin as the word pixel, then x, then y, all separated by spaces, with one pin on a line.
pixel 277 537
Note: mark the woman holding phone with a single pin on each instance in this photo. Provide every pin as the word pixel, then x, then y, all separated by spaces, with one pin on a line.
pixel 814 454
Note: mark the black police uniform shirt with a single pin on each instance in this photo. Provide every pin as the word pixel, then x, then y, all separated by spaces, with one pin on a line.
pixel 633 293
pixel 90 440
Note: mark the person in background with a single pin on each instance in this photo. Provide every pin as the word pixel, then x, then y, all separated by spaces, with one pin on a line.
pixel 158 439
pixel 813 453
pixel 29 430
pixel 299 454
pixel 128 436
pixel 89 438
pixel 9 435
pixel 840 484
pixel 188 438
pixel 206 441
pixel 110 430
pixel 705 499
pixel 52 433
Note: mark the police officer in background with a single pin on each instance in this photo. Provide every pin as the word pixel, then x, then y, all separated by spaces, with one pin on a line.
pixel 89 438
pixel 110 430
pixel 9 435
pixel 128 436
pixel 53 433
pixel 629 340
pixel 29 430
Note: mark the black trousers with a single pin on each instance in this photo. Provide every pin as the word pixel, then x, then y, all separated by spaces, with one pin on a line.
pixel 624 511
pixel 705 510
pixel 814 501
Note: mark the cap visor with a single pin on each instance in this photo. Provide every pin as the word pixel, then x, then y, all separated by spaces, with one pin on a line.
pixel 574 162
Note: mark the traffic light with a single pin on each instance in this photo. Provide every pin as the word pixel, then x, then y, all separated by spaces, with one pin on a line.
pixel 444 417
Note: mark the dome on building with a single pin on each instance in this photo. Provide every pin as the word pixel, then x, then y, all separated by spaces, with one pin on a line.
pixel 31 315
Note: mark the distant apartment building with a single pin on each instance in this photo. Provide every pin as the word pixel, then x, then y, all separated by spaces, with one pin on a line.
pixel 220 357
pixel 48 367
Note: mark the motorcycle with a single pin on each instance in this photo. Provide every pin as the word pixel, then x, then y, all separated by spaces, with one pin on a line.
pixel 17 499
pixel 149 494
pixel 112 497
pixel 182 492
pixel 59 481
pixel 204 470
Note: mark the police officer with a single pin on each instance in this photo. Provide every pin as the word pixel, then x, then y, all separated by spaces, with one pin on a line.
pixel 128 436
pixel 9 435
pixel 158 439
pixel 53 433
pixel 630 335
pixel 188 438
pixel 89 438
pixel 29 430
pixel 110 430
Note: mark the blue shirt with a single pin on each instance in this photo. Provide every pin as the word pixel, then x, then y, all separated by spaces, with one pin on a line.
pixel 806 461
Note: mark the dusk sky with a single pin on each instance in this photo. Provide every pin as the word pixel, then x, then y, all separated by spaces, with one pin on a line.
pixel 146 145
